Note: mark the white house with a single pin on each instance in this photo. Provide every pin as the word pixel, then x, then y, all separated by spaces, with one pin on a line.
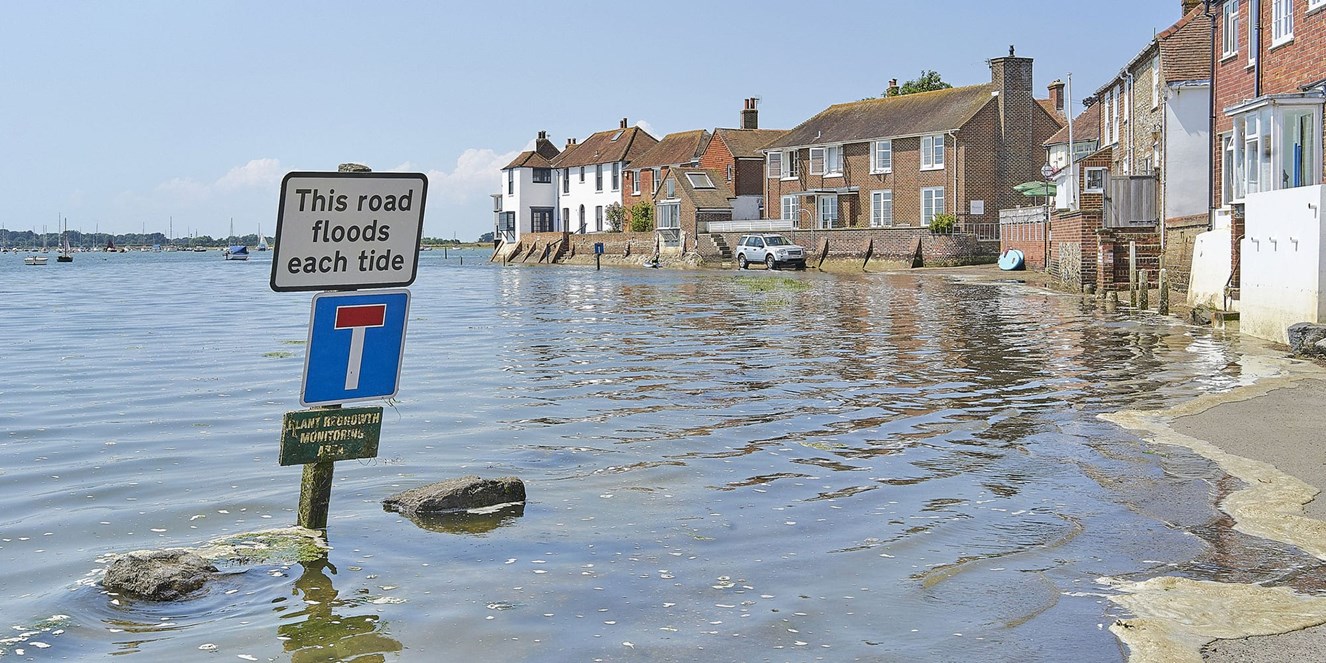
pixel 528 201
pixel 588 176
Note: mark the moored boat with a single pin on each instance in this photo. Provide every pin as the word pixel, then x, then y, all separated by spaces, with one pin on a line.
pixel 236 253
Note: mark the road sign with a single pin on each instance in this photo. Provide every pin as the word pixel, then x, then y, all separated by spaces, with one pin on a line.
pixel 310 436
pixel 340 231
pixel 355 344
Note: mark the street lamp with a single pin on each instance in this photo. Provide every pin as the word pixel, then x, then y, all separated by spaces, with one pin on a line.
pixel 1046 171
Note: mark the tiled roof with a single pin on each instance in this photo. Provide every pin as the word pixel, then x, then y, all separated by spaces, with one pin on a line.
pixel 747 143
pixel 906 115
pixel 674 150
pixel 601 147
pixel 1185 49
pixel 718 197
pixel 1048 105
pixel 1086 126
pixel 539 157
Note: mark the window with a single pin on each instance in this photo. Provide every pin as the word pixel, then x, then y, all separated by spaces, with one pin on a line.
pixel 1229 31
pixel 700 180
pixel 932 152
pixel 1297 159
pixel 1128 101
pixel 1095 180
pixel 616 177
pixel 833 158
pixel 541 219
pixel 1115 102
pixel 566 216
pixel 791 209
pixel 729 172
pixel 566 180
pixel 598 217
pixel 1155 82
pixel 635 182
pixel 542 175
pixel 582 174
pixel 1254 44
pixel 582 217
pixel 881 158
pixel 510 181
pixel 816 161
pixel 672 187
pixel 1227 179
pixel 828 211
pixel 1282 22
pixel 1316 4
pixel 932 203
pixel 793 165
pixel 654 175
pixel 1105 117
pixel 668 216
pixel 598 177
pixel 1256 163
pixel 775 164
pixel 881 208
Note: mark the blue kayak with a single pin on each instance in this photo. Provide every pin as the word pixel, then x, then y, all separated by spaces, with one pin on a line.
pixel 1011 260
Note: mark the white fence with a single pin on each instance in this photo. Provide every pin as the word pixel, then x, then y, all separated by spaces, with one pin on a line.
pixel 749 226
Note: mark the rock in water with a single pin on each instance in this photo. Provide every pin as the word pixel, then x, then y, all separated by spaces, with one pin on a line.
pixel 158 575
pixel 469 492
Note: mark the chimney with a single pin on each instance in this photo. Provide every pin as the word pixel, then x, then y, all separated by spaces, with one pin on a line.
pixel 1018 155
pixel 623 123
pixel 1189 5
pixel 1057 94
pixel 893 87
pixel 543 135
pixel 750 116
pixel 570 142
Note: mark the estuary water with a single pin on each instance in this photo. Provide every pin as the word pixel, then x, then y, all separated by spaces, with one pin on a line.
pixel 721 465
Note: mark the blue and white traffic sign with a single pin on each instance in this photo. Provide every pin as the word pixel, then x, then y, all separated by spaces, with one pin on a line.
pixel 355 344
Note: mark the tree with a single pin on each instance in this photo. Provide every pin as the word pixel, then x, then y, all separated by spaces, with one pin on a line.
pixel 616 215
pixel 928 81
pixel 642 217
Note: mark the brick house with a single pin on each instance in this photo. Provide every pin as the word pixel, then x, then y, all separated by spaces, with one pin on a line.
pixel 1155 114
pixel 688 200
pixel 900 160
pixel 736 154
pixel 588 175
pixel 528 200
pixel 646 172
pixel 1270 86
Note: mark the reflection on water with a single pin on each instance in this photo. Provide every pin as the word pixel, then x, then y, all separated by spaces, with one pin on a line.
pixel 331 628
pixel 469 522
pixel 721 465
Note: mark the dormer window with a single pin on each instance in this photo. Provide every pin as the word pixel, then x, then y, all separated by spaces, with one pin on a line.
pixel 700 180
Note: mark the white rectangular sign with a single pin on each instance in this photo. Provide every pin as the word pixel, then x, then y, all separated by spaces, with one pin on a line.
pixel 342 231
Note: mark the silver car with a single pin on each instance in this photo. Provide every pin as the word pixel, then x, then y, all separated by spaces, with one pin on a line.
pixel 772 250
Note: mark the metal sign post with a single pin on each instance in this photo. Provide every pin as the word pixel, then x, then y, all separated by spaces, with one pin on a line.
pixel 344 231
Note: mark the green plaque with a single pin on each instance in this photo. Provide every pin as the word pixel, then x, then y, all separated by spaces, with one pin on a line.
pixel 310 436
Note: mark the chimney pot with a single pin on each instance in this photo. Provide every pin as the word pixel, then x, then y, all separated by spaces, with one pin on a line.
pixel 623 123
pixel 543 135
pixel 750 116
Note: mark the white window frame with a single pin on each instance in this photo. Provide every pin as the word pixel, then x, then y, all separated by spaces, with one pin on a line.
pixel 881 155
pixel 773 165
pixel 791 166
pixel 1282 22
pixel 668 216
pixel 826 211
pixel 833 161
pixel 598 177
pixel 1086 179
pixel 932 152
pixel 635 183
pixel 1155 82
pixel 616 176
pixel 1316 4
pixel 881 208
pixel 1229 38
pixel 1261 162
pixel 790 207
pixel 932 203
pixel 817 156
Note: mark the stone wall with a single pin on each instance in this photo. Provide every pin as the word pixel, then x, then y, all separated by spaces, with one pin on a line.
pixel 1180 238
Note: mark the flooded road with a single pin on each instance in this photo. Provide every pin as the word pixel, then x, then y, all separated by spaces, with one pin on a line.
pixel 721 466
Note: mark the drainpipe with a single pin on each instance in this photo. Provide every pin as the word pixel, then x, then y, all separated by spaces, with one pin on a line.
pixel 1210 120
pixel 1132 112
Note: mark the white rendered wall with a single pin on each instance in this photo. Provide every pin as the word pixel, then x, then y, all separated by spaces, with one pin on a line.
pixel 1186 145
pixel 1210 269
pixel 583 193
pixel 1281 273
pixel 747 207
pixel 526 194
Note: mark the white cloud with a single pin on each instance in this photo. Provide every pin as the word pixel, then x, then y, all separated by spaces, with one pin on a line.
pixel 258 173
pixel 647 127
pixel 475 176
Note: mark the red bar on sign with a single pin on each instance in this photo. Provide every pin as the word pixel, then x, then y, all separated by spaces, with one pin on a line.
pixel 370 315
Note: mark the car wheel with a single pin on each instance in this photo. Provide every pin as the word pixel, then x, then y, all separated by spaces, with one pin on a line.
pixel 770 262
pixel 741 261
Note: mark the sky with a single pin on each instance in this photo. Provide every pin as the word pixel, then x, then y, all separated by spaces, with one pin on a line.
pixel 184 115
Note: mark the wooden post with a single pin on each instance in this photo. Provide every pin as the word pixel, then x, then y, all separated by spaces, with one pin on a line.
pixel 1132 273
pixel 1162 306
pixel 315 494
pixel 1143 291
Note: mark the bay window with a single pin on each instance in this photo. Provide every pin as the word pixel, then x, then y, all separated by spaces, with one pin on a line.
pixel 1275 145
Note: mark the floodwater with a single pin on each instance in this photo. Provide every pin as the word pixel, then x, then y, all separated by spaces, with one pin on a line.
pixel 721 465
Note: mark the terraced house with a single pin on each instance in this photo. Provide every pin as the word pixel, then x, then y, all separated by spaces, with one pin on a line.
pixel 902 160
pixel 589 175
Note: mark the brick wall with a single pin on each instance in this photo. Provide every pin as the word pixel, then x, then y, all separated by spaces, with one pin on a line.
pixel 1073 248
pixel 1024 229
pixel 1116 246
pixel 887 245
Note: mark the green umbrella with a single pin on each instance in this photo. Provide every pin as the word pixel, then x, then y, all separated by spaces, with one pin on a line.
pixel 1035 189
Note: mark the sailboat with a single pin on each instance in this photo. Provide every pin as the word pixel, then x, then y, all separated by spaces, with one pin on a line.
pixel 262 241
pixel 66 255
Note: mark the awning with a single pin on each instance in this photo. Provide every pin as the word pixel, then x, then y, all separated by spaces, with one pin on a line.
pixel 1035 189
